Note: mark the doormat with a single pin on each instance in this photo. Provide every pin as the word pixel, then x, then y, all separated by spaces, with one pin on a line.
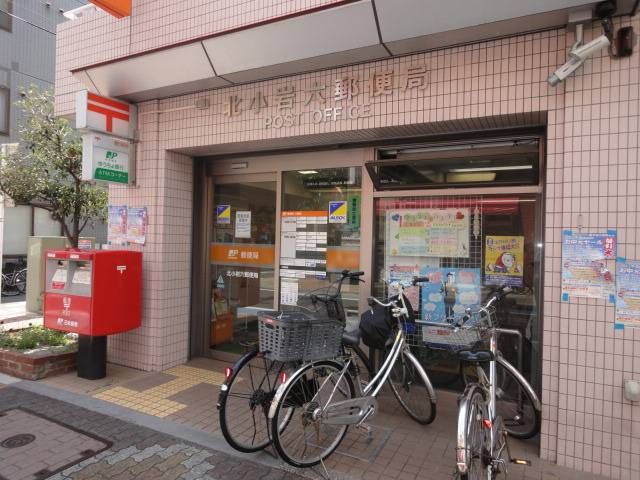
pixel 34 447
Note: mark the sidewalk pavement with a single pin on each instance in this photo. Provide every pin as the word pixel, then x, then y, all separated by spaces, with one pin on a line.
pixel 61 441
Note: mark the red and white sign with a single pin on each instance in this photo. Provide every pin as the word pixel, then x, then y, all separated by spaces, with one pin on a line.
pixel 102 114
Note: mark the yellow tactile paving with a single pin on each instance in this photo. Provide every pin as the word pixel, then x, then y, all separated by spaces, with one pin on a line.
pixel 154 401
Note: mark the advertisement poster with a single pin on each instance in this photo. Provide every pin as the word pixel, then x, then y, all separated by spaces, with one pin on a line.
pixel 243 224
pixel 137 222
pixel 429 232
pixel 587 261
pixel 449 292
pixel 223 214
pixel 628 292
pixel 117 225
pixel 404 273
pixel 503 260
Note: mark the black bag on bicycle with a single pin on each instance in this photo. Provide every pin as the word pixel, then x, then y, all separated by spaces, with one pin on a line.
pixel 377 324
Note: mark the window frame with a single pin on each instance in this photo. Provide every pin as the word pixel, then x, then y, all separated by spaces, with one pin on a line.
pixel 7 114
pixel 8 13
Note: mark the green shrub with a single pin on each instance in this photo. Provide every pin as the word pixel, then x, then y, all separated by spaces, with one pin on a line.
pixel 32 337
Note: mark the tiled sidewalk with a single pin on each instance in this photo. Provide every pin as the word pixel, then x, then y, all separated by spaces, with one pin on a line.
pixel 398 449
pixel 135 452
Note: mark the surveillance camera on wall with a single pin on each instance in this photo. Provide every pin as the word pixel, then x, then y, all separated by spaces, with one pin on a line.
pixel 577 57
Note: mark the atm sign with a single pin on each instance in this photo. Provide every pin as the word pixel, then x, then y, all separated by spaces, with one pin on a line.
pixel 338 212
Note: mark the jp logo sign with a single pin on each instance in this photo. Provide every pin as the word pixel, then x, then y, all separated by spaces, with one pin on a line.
pixel 338 212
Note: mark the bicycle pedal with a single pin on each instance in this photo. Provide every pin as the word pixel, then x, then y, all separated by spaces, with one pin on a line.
pixel 368 429
pixel 521 461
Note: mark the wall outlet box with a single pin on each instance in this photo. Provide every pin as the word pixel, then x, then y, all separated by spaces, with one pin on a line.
pixel 632 390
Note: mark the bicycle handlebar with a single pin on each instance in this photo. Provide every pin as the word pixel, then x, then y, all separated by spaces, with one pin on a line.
pixel 417 280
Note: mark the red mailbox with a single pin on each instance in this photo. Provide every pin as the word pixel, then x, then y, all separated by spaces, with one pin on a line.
pixel 93 292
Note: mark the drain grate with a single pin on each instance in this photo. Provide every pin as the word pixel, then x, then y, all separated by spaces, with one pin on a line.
pixel 45 442
pixel 17 441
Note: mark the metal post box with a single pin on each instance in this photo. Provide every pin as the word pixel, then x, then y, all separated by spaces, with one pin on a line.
pixel 93 293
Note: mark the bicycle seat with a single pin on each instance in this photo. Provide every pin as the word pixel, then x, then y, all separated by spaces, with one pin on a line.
pixel 475 357
pixel 351 338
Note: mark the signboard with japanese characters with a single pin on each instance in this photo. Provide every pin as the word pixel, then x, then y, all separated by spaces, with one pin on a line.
pixel 106 158
pixel 347 97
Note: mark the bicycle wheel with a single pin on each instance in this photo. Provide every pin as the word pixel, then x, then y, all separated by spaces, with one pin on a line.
pixel 513 401
pixel 244 401
pixel 20 281
pixel 472 451
pixel 407 381
pixel 308 439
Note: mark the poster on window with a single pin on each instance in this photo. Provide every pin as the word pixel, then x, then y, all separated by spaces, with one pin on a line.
pixel 448 292
pixel 137 222
pixel 243 224
pixel 404 273
pixel 503 260
pixel 587 261
pixel 117 225
pixel 628 292
pixel 428 232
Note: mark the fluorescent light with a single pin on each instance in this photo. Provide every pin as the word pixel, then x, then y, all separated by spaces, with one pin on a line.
pixel 307 172
pixel 491 169
pixel 239 165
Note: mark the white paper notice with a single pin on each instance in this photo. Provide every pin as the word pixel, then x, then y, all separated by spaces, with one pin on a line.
pixel 243 224
pixel 82 277
pixel 288 292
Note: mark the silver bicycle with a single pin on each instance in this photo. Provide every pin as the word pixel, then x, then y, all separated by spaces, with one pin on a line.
pixel 481 439
pixel 329 395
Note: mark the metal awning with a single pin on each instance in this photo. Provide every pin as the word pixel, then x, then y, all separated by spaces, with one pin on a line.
pixel 350 33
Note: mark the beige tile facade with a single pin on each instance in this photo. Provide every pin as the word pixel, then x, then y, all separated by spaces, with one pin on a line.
pixel 592 167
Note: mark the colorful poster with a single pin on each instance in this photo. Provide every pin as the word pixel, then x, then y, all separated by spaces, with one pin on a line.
pixel 243 224
pixel 628 292
pixel 137 223
pixel 223 214
pixel 587 260
pixel 338 212
pixel 449 292
pixel 503 260
pixel 404 274
pixel 428 232
pixel 117 225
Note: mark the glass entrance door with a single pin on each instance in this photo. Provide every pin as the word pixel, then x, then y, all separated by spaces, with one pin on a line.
pixel 242 255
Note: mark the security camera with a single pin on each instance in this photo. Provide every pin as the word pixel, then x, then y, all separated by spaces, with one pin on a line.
pixel 577 57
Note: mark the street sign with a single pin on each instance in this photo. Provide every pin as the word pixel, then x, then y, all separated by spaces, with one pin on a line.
pixel 106 115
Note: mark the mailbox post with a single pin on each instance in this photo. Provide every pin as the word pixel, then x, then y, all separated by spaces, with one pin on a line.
pixel 93 293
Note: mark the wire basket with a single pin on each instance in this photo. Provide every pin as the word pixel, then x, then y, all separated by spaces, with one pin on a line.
pixel 472 335
pixel 298 336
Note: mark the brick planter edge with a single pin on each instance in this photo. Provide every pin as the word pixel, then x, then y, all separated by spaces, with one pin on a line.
pixel 34 365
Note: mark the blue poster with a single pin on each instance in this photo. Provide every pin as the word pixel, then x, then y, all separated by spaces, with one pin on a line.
pixel 628 292
pixel 449 292
pixel 585 265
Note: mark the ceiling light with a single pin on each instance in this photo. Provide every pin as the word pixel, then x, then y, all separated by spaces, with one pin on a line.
pixel 491 169
pixel 307 172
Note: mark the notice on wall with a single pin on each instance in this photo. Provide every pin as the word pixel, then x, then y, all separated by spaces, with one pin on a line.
pixel 428 232
pixel 289 292
pixel 628 292
pixel 303 244
pixel 137 223
pixel 223 214
pixel 503 260
pixel 243 224
pixel 449 292
pixel 587 264
pixel 117 225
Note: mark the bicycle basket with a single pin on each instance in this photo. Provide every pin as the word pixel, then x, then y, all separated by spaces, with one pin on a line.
pixel 298 336
pixel 472 335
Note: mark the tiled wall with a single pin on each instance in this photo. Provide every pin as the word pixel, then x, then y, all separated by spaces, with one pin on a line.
pixel 591 181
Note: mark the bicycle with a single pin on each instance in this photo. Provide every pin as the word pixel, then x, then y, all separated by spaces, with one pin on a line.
pixel 321 399
pixel 250 384
pixel 14 282
pixel 481 432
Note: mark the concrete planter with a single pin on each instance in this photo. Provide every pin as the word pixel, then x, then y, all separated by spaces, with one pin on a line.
pixel 38 363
